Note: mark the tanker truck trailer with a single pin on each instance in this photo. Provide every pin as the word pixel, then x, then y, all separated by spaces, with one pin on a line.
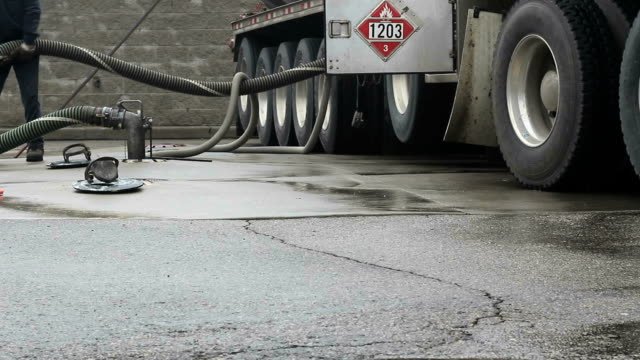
pixel 539 79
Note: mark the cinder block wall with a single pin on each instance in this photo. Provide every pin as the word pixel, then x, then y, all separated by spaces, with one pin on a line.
pixel 182 37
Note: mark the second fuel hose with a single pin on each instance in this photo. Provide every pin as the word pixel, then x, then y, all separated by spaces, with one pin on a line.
pixel 164 81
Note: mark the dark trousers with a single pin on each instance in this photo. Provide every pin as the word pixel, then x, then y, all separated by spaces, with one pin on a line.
pixel 27 74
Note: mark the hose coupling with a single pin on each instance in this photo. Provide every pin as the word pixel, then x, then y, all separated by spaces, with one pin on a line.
pixel 136 125
pixel 121 118
pixel 116 117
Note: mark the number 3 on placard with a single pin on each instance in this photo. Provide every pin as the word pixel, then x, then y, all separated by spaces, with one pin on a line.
pixel 386 48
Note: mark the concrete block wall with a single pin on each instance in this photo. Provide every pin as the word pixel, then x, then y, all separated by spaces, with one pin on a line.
pixel 181 37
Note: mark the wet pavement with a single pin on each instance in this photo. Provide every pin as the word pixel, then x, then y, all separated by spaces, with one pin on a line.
pixel 235 186
pixel 272 256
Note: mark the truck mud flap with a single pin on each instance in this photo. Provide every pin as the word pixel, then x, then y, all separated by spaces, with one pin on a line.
pixel 472 117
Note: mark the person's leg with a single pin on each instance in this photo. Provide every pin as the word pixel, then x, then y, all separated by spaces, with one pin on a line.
pixel 27 74
pixel 4 73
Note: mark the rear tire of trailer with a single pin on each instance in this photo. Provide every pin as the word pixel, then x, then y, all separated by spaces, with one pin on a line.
pixel 630 96
pixel 247 58
pixel 418 112
pixel 549 83
pixel 283 97
pixel 620 15
pixel 304 107
pixel 266 129
pixel 336 135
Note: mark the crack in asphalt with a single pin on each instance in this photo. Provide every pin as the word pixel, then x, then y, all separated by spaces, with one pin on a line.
pixel 496 301
pixel 460 337
pixel 298 346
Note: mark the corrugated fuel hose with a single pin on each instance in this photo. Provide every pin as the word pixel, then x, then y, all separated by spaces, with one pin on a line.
pixel 241 85
pixel 52 122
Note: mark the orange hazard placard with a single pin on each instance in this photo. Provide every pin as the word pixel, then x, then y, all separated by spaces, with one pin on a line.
pixel 386 29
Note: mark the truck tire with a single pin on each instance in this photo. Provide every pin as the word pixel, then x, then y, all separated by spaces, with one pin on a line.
pixel 266 129
pixel 336 135
pixel 629 96
pixel 550 94
pixel 283 97
pixel 304 107
pixel 418 112
pixel 620 15
pixel 247 58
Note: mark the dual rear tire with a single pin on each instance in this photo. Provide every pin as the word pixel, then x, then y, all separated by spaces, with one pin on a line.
pixel 418 112
pixel 266 128
pixel 294 107
pixel 304 97
pixel 630 96
pixel 283 97
pixel 555 114
pixel 288 114
pixel 246 63
pixel 336 136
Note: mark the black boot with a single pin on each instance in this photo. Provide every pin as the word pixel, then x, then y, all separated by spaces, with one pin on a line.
pixel 35 153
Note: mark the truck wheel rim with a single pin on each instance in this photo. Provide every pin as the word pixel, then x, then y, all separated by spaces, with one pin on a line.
pixel 401 92
pixel 281 102
pixel 244 100
pixel 533 91
pixel 302 100
pixel 327 117
pixel 263 101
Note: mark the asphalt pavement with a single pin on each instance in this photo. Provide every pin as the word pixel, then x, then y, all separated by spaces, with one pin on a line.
pixel 326 257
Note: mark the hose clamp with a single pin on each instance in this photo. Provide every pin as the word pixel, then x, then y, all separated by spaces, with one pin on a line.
pixel 111 117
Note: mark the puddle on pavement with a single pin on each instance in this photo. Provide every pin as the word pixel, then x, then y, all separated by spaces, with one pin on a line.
pixel 432 171
pixel 295 173
pixel 34 208
pixel 374 199
pixel 600 234
pixel 612 340
pixel 153 180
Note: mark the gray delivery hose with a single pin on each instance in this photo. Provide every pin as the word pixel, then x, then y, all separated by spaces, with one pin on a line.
pixel 232 112
pixel 235 146
pixel 164 81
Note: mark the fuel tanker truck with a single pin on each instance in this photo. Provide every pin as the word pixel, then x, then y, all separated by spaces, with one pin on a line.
pixel 554 84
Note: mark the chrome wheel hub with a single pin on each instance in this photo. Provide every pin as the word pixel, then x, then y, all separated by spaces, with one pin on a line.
pixel 400 85
pixel 244 99
pixel 327 118
pixel 281 102
pixel 533 91
pixel 302 100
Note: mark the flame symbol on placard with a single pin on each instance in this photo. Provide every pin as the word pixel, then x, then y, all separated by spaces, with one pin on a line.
pixel 386 12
